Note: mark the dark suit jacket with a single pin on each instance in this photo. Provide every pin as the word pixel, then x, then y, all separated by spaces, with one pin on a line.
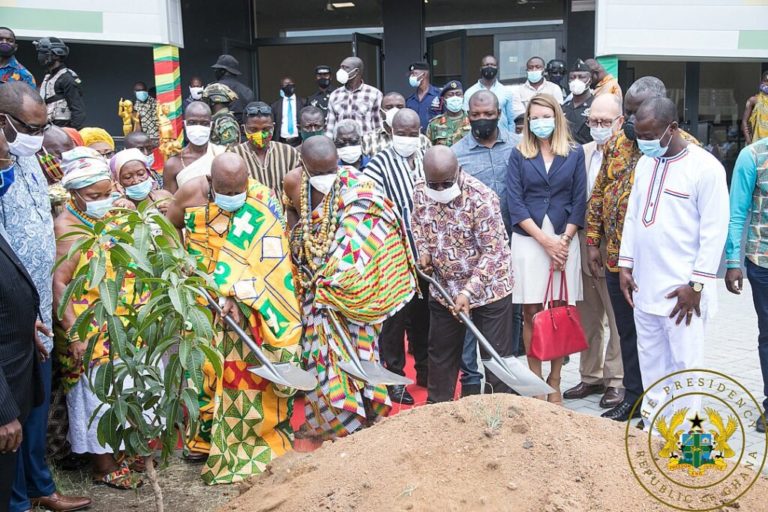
pixel 21 386
pixel 277 111
pixel 533 193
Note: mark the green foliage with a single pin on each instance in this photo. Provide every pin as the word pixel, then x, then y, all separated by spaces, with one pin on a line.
pixel 158 334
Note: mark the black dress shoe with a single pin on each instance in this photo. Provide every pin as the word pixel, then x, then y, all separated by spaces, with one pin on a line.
pixel 583 390
pixel 760 426
pixel 612 398
pixel 399 395
pixel 621 412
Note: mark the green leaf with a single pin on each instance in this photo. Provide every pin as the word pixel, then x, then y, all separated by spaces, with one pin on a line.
pixel 194 367
pixel 189 396
pixel 201 322
pixel 80 246
pixel 108 295
pixel 117 337
pixel 142 238
pixel 102 383
pixel 213 357
pixel 74 287
pixel 108 431
pixel 138 257
pixel 83 324
pixel 97 269
pixel 177 300
pixel 121 410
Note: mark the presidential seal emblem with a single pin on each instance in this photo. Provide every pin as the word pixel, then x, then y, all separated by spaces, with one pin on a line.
pixel 698 449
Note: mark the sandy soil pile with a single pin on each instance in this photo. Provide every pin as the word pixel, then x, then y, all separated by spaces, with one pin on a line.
pixel 497 452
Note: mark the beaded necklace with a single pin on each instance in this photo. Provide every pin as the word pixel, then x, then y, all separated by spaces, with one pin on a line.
pixel 316 246
pixel 81 215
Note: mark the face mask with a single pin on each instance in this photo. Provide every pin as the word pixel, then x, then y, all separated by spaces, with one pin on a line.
pixel 389 115
pixel 489 72
pixel 260 139
pixel 142 95
pixel 197 134
pixel 350 154
pixel 454 103
pixel 414 81
pixel 23 144
pixel 323 82
pixel 287 90
pixel 764 88
pixel 577 87
pixel 196 93
pixel 139 191
pixel 150 160
pixel 44 59
pixel 483 129
pixel 6 49
pixel 543 128
pixel 557 79
pixel 7 177
pixel 306 135
pixel 629 130
pixel 323 183
pixel 653 148
pixel 534 76
pixel 230 203
pixel 98 209
pixel 444 196
pixel 405 146
pixel 600 134
pixel 343 76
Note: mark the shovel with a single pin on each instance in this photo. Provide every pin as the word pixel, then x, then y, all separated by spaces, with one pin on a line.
pixel 284 374
pixel 367 371
pixel 508 369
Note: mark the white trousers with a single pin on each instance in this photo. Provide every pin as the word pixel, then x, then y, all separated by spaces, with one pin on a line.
pixel 664 348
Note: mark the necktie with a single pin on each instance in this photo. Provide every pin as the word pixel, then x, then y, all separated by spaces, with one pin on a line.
pixel 290 117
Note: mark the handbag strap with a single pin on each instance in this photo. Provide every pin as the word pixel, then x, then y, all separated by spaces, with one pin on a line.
pixel 550 292
pixel 563 287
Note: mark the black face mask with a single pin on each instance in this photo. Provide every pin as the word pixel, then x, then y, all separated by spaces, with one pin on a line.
pixel 44 59
pixel 288 90
pixel 629 130
pixel 6 49
pixel 482 129
pixel 323 82
pixel 489 72
pixel 219 73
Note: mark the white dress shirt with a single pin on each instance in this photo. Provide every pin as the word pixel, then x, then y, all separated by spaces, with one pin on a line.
pixel 522 94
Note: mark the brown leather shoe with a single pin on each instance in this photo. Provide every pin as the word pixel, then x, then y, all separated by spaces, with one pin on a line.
pixel 60 503
pixel 612 398
pixel 582 390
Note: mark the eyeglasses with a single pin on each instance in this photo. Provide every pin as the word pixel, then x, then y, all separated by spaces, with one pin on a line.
pixel 601 123
pixel 28 129
pixel 443 185
pixel 258 110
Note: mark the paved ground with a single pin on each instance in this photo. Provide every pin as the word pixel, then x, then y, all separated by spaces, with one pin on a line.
pixel 731 348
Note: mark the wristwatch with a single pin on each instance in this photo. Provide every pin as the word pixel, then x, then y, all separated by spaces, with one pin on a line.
pixel 697 287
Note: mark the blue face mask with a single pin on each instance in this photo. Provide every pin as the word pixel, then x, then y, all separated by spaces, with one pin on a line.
pixel 534 76
pixel 653 148
pixel 150 160
pixel 139 191
pixel 7 177
pixel 413 81
pixel 543 127
pixel 142 95
pixel 230 203
pixel 98 209
pixel 454 103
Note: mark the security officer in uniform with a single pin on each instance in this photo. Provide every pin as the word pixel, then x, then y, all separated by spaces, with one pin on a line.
pixel 557 73
pixel 61 86
pixel 426 100
pixel 225 129
pixel 452 126
pixel 324 89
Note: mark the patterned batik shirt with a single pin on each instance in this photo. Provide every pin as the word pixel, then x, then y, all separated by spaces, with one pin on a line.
pixel 607 207
pixel 15 72
pixel 25 212
pixel 362 105
pixel 467 241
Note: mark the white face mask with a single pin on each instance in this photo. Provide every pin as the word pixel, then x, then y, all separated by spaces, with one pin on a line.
pixel 343 76
pixel 23 144
pixel 444 196
pixel 323 183
pixel 577 87
pixel 350 154
pixel 389 115
pixel 196 93
pixel 197 134
pixel 405 146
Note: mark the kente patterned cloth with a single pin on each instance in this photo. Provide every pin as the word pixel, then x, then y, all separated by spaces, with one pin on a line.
pixel 367 276
pixel 251 416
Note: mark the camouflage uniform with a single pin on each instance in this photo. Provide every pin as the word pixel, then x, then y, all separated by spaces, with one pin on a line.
pixel 225 129
pixel 447 131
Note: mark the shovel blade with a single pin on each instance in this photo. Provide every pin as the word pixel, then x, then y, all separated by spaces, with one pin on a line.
pixel 350 368
pixel 286 374
pixel 517 376
pixel 381 376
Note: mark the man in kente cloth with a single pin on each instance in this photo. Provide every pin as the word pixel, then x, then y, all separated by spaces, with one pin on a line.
pixel 356 265
pixel 235 226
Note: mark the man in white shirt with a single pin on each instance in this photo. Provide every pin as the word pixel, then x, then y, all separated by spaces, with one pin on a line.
pixel 489 68
pixel 601 370
pixel 535 84
pixel 673 237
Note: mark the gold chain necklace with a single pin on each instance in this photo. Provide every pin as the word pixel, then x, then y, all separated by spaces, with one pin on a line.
pixel 316 246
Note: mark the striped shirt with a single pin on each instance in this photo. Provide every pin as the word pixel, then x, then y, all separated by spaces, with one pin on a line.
pixel 393 175
pixel 280 159
pixel 362 105
pixel 374 142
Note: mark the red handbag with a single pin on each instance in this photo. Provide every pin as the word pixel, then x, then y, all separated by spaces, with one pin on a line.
pixel 557 331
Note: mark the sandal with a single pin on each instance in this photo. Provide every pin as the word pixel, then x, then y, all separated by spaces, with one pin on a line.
pixel 556 397
pixel 120 479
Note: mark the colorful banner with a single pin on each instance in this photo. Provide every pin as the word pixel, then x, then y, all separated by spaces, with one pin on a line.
pixel 168 86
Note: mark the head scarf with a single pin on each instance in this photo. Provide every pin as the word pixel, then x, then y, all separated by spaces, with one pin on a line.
pixel 91 135
pixel 74 135
pixel 82 168
pixel 123 157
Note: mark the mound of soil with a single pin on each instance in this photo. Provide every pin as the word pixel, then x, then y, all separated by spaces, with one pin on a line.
pixel 491 452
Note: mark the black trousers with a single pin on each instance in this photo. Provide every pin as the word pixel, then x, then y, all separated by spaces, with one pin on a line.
pixel 414 320
pixel 446 344
pixel 625 324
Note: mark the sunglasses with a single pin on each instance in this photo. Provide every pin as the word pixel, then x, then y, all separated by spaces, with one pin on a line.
pixel 28 129
pixel 443 185
pixel 261 110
